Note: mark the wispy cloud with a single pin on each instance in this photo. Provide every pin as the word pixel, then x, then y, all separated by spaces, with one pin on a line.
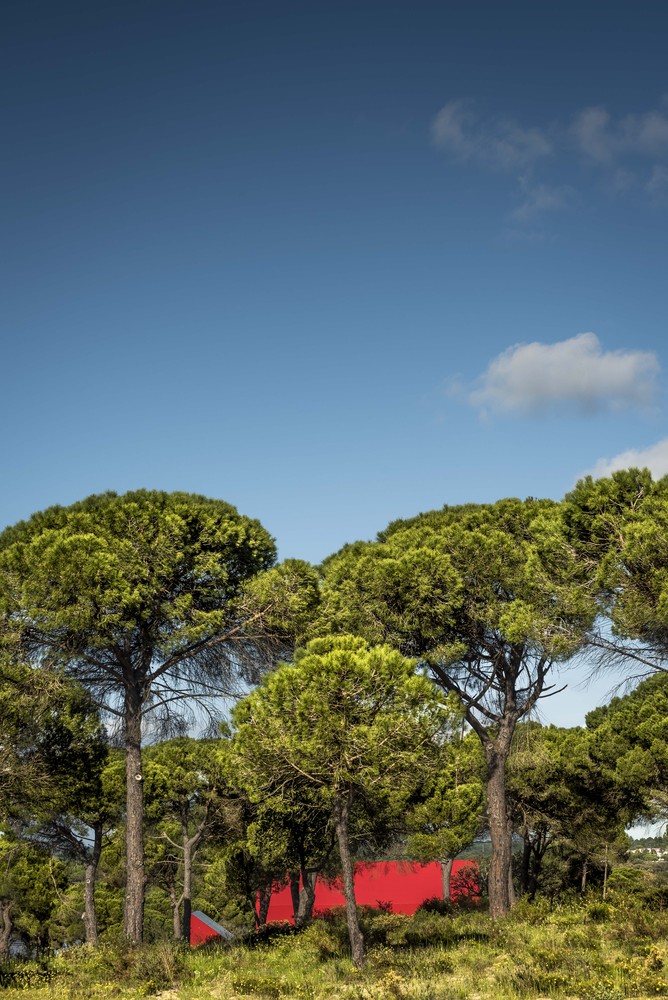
pixel 603 139
pixel 657 185
pixel 624 153
pixel 654 458
pixel 540 198
pixel 499 143
pixel 575 373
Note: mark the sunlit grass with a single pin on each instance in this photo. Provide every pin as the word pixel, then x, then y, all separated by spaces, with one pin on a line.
pixel 584 951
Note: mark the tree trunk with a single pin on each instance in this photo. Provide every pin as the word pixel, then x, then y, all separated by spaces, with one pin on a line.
pixel 90 878
pixel 7 925
pixel 583 882
pixel 175 904
pixel 539 847
pixel 341 820
pixel 306 898
pixel 499 828
pixel 134 847
pixel 446 872
pixel 512 899
pixel 294 894
pixel 525 868
pixel 265 900
pixel 187 875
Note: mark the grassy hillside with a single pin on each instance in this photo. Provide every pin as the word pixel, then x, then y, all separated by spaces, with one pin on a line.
pixel 592 951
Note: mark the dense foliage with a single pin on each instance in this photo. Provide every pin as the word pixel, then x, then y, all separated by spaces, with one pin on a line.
pixel 384 709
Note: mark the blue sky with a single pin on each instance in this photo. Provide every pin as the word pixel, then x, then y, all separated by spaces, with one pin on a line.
pixel 335 263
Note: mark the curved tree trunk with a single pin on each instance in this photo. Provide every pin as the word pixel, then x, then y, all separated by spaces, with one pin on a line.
pixel 7 925
pixel 134 847
pixel 341 821
pixel 446 872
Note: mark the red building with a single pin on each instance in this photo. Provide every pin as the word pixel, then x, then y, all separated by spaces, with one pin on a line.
pixel 203 928
pixel 400 885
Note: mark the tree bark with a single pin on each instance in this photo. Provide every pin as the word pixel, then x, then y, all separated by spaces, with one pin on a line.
pixel 294 894
pixel 341 826
pixel 525 868
pixel 583 881
pixel 134 847
pixel 306 898
pixel 512 898
pixel 90 878
pixel 539 846
pixel 188 843
pixel 499 827
pixel 446 872
pixel 7 925
pixel 175 904
pixel 265 900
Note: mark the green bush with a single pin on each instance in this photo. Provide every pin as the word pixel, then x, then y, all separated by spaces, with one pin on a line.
pixel 598 912
pixel 327 938
pixel 436 904
pixel 601 991
pixel 25 974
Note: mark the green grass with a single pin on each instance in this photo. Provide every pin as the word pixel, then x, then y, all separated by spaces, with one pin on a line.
pixel 585 951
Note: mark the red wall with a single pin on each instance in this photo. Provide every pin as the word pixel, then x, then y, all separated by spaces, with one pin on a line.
pixel 200 932
pixel 401 884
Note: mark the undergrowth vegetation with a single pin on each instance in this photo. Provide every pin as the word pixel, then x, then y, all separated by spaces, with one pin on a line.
pixel 586 950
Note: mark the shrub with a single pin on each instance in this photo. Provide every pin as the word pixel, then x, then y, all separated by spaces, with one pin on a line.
pixel 598 912
pixel 25 974
pixel 327 938
pixel 436 904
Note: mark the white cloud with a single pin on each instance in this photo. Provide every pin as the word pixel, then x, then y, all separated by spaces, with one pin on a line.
pixel 605 140
pixel 499 143
pixel 539 198
pixel 576 373
pixel 654 458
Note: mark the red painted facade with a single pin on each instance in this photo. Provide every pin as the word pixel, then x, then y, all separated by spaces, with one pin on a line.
pixel 200 932
pixel 401 885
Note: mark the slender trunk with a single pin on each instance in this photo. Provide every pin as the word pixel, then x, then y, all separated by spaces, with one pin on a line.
pixel 294 894
pixel 525 867
pixel 499 828
pixel 512 898
pixel 583 881
pixel 306 899
pixel 446 872
pixel 7 925
pixel 175 904
pixel 341 821
pixel 187 873
pixel 265 900
pixel 539 847
pixel 605 873
pixel 134 848
pixel 90 877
